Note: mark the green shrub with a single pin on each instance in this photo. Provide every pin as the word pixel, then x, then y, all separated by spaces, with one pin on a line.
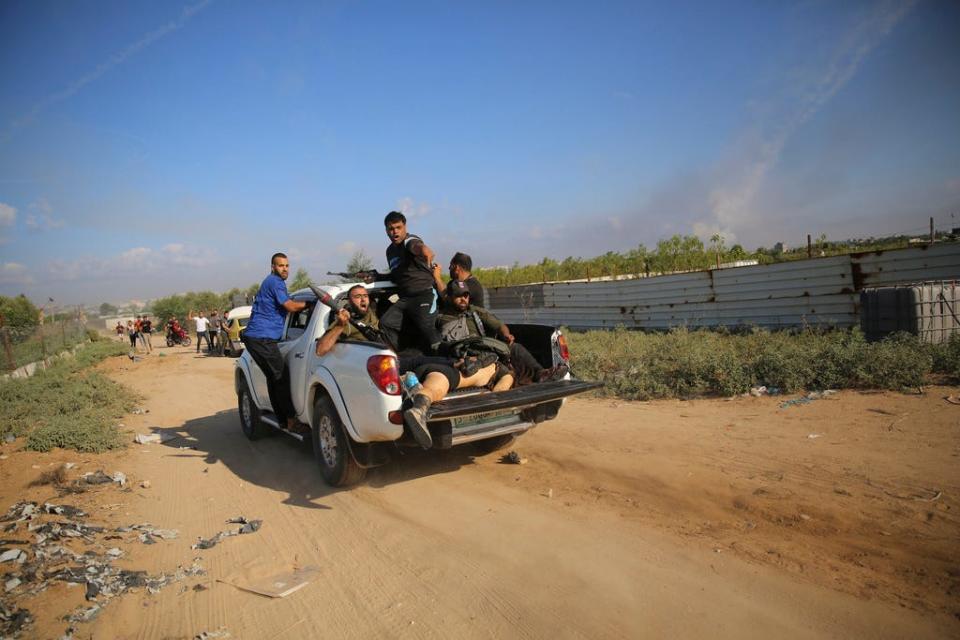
pixel 946 357
pixel 687 363
pixel 896 362
pixel 67 405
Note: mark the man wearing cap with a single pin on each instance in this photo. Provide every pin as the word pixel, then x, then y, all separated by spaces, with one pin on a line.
pixel 410 261
pixel 460 320
pixel 460 266
pixel 264 331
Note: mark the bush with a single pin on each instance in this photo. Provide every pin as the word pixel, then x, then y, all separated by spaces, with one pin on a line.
pixel 946 357
pixel 67 405
pixel 19 313
pixel 896 362
pixel 684 363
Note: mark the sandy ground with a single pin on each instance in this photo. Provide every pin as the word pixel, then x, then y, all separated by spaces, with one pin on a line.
pixel 708 518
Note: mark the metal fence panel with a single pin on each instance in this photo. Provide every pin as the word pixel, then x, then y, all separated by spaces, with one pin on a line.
pixel 817 292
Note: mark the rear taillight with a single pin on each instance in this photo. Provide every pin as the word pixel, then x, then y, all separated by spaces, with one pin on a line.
pixel 384 373
pixel 564 351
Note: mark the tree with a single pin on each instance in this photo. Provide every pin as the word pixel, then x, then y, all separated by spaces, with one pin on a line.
pixel 717 246
pixel 359 261
pixel 107 309
pixel 19 313
pixel 301 280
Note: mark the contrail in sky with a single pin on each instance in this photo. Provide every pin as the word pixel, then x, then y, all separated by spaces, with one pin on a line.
pixel 107 65
pixel 729 203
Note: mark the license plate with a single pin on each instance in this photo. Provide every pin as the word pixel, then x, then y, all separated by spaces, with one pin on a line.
pixel 486 417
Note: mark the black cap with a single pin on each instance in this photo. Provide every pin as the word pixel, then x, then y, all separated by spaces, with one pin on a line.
pixel 457 288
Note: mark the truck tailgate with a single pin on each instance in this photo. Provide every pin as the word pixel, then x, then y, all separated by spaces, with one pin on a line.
pixel 518 398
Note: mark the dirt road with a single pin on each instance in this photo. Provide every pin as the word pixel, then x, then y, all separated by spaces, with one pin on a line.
pixel 710 518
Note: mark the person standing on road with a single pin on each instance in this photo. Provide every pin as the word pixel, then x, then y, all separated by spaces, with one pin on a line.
pixel 132 334
pixel 202 324
pixel 410 261
pixel 213 331
pixel 263 332
pixel 146 330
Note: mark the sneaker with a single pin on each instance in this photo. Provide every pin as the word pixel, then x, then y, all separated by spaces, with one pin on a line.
pixel 416 420
pixel 553 373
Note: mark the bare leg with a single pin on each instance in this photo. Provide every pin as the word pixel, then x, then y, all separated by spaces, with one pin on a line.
pixel 504 383
pixel 479 379
pixel 435 386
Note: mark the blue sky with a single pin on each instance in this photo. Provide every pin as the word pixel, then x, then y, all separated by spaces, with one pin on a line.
pixel 151 148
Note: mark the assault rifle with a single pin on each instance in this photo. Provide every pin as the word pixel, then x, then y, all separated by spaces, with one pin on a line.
pixel 370 333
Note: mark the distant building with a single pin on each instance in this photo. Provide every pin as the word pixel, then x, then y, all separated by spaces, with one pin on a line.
pixel 779 247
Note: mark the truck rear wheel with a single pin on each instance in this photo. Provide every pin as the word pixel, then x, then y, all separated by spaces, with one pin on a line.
pixel 250 422
pixel 332 447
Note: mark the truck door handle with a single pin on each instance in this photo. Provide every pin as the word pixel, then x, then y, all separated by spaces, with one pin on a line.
pixel 298 355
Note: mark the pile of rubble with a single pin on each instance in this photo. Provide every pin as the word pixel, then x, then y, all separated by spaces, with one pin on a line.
pixel 38 548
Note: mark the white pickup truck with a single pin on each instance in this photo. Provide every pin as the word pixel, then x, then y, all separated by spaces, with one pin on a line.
pixel 351 397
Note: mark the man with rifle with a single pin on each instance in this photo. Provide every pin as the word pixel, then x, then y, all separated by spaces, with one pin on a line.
pixel 358 307
pixel 411 269
pixel 358 321
pixel 464 325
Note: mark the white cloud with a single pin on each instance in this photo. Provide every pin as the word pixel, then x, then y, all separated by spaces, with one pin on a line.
pixel 411 209
pixel 8 215
pixel 172 258
pixel 40 222
pixel 14 273
pixel 347 248
pixel 40 217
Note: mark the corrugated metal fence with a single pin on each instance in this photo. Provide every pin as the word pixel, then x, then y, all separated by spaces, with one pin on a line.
pixel 820 291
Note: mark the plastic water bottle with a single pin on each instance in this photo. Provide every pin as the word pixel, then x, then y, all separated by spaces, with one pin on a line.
pixel 411 384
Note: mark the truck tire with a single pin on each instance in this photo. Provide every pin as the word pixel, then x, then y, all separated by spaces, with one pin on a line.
pixel 484 447
pixel 250 422
pixel 332 447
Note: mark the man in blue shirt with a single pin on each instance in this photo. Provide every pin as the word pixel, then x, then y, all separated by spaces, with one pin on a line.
pixel 264 331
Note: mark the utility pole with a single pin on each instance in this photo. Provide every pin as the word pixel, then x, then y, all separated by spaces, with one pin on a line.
pixel 932 237
pixel 809 247
pixel 11 363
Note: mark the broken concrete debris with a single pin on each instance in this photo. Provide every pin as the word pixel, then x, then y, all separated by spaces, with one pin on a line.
pixel 249 526
pixel 12 620
pixel 13 555
pixel 63 510
pixel 96 477
pixel 48 560
pixel 157 437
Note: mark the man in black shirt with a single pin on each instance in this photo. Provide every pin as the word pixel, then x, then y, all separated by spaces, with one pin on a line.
pixel 410 261
pixel 460 266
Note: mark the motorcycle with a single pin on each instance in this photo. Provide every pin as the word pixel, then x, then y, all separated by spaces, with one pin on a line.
pixel 177 336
